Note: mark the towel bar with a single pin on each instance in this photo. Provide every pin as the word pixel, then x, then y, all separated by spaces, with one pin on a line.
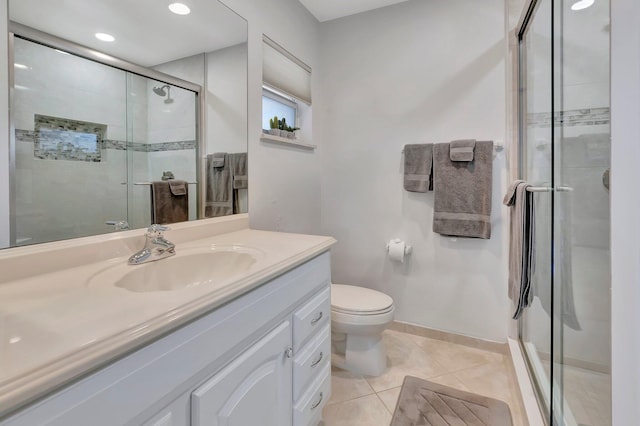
pixel 539 189
pixel 496 148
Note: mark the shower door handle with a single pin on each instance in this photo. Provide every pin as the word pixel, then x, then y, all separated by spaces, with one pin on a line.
pixel 564 189
pixel 539 189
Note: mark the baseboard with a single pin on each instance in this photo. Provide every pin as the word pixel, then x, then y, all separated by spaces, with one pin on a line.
pixel 473 342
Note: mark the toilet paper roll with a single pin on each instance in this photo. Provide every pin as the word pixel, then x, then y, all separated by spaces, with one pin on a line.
pixel 396 251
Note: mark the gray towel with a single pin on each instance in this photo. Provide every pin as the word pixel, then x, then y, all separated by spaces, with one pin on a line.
pixel 521 245
pixel 417 167
pixel 218 159
pixel 178 187
pixel 166 205
pixel 462 150
pixel 219 198
pixel 462 192
pixel 239 170
pixel 563 259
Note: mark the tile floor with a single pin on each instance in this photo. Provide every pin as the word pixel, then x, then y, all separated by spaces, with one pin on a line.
pixel 369 401
pixel 587 394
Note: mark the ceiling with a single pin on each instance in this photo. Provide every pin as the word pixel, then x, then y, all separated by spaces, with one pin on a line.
pixel 326 10
pixel 146 32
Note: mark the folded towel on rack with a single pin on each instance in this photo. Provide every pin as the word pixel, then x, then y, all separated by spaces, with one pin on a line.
pixel 462 192
pixel 462 150
pixel 418 161
pixel 178 187
pixel 239 170
pixel 168 206
pixel 521 245
pixel 218 159
pixel 219 195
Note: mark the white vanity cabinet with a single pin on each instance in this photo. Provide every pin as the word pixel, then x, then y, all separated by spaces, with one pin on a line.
pixel 255 389
pixel 260 359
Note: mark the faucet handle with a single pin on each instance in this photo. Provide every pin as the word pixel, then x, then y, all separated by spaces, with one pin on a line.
pixel 157 229
pixel 119 225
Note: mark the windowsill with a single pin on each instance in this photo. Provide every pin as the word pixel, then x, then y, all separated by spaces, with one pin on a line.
pixel 277 139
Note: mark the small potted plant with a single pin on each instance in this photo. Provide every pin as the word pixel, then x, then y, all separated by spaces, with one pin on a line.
pixel 287 131
pixel 291 132
pixel 283 127
pixel 274 123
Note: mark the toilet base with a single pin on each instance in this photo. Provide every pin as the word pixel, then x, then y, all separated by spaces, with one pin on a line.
pixel 359 354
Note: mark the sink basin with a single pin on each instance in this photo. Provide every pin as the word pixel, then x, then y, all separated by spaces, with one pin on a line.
pixel 205 267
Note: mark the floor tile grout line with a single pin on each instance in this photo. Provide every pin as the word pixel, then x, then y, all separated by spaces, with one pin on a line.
pixel 385 405
pixel 350 399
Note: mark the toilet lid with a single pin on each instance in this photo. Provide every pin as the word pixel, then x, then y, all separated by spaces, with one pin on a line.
pixel 352 299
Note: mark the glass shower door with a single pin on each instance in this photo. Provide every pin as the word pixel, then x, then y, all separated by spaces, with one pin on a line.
pixel 161 143
pixel 69 116
pixel 565 147
pixel 582 312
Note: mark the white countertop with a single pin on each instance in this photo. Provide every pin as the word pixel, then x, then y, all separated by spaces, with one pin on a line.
pixel 54 327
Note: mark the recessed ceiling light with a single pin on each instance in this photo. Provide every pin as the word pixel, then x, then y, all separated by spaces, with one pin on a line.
pixel 20 66
pixel 582 4
pixel 179 8
pixel 105 37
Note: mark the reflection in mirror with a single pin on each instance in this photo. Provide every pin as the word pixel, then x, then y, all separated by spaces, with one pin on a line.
pixel 151 127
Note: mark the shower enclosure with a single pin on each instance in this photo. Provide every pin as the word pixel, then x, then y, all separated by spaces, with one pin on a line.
pixel 88 140
pixel 565 151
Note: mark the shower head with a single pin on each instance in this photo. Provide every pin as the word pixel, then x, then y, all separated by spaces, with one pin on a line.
pixel 160 91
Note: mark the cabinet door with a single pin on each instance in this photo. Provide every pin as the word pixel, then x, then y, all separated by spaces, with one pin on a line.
pixel 255 389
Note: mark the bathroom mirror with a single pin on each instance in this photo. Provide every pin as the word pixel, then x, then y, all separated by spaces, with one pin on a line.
pixel 109 96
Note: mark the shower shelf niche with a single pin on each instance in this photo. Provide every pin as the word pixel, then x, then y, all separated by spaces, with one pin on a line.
pixel 277 139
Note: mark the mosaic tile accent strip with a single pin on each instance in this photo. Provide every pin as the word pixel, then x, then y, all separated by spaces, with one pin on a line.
pixel 575 117
pixel 170 146
pixel 114 144
pixel 29 136
pixel 63 139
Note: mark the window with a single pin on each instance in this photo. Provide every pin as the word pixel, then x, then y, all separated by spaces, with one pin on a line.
pixel 280 105
pixel 286 92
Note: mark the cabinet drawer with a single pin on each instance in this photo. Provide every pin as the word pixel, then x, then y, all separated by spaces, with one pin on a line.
pixel 308 410
pixel 311 317
pixel 310 361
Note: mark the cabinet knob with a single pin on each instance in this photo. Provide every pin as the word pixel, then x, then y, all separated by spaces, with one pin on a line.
pixel 288 353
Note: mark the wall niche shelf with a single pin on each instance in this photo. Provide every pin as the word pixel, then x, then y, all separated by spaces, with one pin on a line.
pixel 286 141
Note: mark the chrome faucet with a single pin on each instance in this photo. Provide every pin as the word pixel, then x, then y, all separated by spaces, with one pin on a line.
pixel 119 225
pixel 156 247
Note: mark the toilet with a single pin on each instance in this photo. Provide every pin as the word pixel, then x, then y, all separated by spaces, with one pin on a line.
pixel 358 317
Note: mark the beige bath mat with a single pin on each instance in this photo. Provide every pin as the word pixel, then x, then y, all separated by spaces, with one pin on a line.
pixel 423 403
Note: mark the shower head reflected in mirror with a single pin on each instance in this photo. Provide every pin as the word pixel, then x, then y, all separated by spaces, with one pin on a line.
pixel 164 91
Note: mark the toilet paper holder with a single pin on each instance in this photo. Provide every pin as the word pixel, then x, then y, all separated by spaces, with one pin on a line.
pixel 407 248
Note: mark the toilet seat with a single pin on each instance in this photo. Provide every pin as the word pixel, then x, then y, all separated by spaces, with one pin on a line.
pixel 352 300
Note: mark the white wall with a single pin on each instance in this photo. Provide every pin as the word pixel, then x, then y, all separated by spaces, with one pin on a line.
pixel 625 210
pixel 409 73
pixel 227 99
pixel 284 183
